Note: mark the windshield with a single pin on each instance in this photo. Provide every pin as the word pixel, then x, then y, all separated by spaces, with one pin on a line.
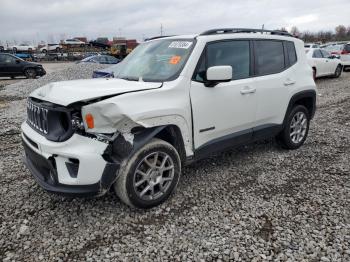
pixel 156 61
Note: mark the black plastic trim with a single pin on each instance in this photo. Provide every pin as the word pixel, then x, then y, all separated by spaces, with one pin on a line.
pixel 45 173
pixel 223 143
pixel 298 96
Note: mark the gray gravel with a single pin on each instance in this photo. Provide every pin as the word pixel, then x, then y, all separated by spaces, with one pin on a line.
pixel 254 203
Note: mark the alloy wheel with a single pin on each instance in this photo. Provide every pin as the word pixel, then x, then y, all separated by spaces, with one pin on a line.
pixel 153 176
pixel 298 127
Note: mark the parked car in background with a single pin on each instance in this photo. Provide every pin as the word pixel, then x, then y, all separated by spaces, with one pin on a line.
pixel 311 45
pixel 26 56
pixel 323 63
pixel 101 42
pixel 2 48
pixel 51 47
pixel 74 42
pixel 22 47
pixel 343 50
pixel 101 59
pixel 12 66
pixel 107 72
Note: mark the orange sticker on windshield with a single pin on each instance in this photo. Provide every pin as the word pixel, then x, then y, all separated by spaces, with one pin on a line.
pixel 175 60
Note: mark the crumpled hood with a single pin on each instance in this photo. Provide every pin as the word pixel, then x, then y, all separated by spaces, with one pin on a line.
pixel 68 92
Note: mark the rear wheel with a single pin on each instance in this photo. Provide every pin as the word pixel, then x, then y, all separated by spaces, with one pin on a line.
pixel 149 177
pixel 338 71
pixel 296 128
pixel 30 73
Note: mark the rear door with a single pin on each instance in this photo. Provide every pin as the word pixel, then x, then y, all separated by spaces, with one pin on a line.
pixel 9 65
pixel 2 64
pixel 274 75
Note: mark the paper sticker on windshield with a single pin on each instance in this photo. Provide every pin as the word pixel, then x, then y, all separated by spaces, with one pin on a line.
pixel 180 44
pixel 174 59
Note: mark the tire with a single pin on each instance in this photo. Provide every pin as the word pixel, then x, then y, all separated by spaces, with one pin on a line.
pixel 338 71
pixel 58 50
pixel 296 116
pixel 44 51
pixel 135 176
pixel 30 73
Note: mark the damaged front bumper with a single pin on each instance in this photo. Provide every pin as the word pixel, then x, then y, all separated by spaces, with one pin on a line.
pixel 73 167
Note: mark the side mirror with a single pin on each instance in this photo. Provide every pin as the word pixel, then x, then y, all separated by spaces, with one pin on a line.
pixel 218 74
pixel 18 61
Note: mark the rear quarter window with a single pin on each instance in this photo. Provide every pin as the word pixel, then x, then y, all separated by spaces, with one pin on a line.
pixel 291 53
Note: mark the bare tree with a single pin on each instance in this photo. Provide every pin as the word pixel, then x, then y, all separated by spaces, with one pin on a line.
pixel 295 31
pixel 340 32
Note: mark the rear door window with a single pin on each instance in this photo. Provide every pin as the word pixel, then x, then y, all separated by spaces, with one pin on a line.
pixel 269 57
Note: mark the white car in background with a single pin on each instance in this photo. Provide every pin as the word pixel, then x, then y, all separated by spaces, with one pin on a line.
pixel 323 63
pixel 343 50
pixel 51 47
pixel 311 45
pixel 22 47
pixel 74 41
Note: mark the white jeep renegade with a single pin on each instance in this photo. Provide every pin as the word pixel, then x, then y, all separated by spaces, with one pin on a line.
pixel 172 101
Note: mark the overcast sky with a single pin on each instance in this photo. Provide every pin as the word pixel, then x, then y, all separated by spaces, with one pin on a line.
pixel 51 20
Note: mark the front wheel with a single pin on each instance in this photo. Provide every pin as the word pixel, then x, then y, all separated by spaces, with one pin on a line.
pixel 149 176
pixel 338 71
pixel 30 73
pixel 296 128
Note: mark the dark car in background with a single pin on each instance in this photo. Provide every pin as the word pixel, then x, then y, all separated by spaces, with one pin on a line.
pixel 12 66
pixel 107 72
pixel 101 59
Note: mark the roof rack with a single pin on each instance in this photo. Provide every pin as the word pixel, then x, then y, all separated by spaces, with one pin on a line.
pixel 157 37
pixel 244 30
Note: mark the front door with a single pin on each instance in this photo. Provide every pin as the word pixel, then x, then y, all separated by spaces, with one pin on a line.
pixel 223 115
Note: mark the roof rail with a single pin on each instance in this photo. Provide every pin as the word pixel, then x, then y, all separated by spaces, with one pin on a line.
pixel 244 30
pixel 157 37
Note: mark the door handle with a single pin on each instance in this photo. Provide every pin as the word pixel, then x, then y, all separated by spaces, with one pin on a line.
pixel 289 82
pixel 247 90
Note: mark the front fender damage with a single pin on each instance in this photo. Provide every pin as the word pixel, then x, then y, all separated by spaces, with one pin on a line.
pixel 125 134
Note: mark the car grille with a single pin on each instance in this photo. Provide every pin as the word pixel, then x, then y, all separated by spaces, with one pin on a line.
pixel 37 117
pixel 50 120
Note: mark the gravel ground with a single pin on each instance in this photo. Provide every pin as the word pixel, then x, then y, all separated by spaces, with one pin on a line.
pixel 254 203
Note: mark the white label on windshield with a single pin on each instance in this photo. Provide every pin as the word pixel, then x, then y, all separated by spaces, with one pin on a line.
pixel 180 44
